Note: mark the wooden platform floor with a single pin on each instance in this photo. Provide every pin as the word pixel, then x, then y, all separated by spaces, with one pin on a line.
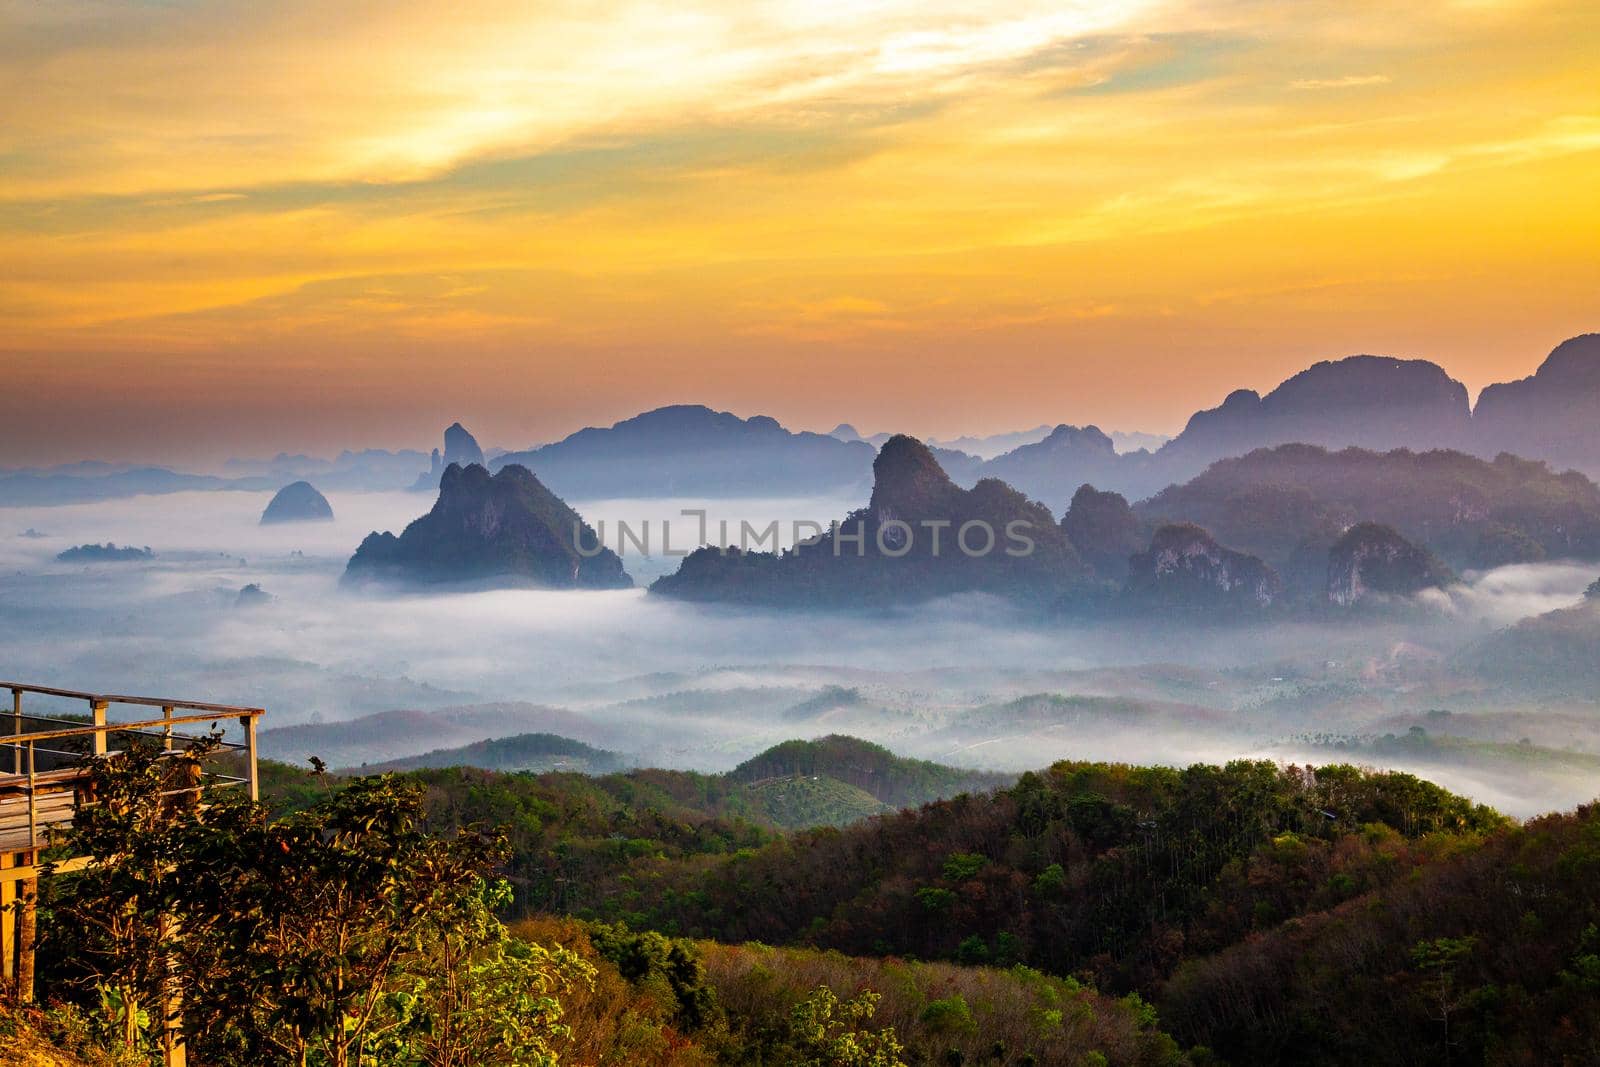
pixel 54 800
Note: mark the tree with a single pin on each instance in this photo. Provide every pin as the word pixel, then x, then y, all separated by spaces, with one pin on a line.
pixel 828 1032
pixel 498 1005
pixel 1439 962
pixel 341 935
pixel 118 913
pixel 299 926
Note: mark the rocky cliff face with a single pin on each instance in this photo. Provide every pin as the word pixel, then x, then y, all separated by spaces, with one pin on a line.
pixel 1551 415
pixel 297 502
pixel 1185 567
pixel 506 528
pixel 1376 560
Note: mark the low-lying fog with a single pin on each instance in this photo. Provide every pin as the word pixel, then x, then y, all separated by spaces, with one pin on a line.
pixel 964 680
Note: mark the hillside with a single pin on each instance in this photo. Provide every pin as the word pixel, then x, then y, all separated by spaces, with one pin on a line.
pixel 353 931
pixel 1554 653
pixel 1089 913
pixel 1491 955
pixel 889 779
pixel 1104 869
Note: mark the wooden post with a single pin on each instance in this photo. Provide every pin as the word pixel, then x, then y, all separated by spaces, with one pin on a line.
pixel 8 919
pixel 174 1052
pixel 16 730
pixel 249 724
pixel 99 709
pixel 27 931
pixel 166 731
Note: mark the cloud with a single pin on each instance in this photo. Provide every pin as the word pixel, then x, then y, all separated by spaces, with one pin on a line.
pixel 1349 81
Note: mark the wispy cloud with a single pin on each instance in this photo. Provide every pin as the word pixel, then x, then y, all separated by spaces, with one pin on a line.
pixel 721 183
pixel 1349 81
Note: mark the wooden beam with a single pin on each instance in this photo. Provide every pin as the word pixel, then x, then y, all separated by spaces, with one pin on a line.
pixel 114 698
pixel 128 727
pixel 27 935
pixel 27 872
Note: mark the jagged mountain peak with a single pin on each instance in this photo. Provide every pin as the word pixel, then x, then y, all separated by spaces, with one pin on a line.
pixel 907 479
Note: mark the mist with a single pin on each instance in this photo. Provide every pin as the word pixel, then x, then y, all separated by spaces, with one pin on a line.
pixel 967 680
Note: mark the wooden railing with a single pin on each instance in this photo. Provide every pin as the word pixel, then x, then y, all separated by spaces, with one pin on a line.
pixel 46 779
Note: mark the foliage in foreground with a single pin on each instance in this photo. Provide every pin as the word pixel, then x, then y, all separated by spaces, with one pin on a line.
pixel 344 934
pixel 348 934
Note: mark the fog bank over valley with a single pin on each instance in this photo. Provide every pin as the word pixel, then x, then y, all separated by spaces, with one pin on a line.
pixel 967 680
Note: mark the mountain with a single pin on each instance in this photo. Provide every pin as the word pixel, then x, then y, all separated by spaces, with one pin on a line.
pixel 846 433
pixel 460 448
pixel 25 488
pixel 1053 468
pixel 693 450
pixel 889 779
pixel 994 444
pixel 920 536
pixel 1374 402
pixel 1104 530
pixel 297 502
pixel 388 736
pixel 1371 559
pixel 369 470
pixel 1551 415
pixel 1185 567
pixel 1289 504
pixel 534 753
pixel 963 468
pixel 1555 654
pixel 506 528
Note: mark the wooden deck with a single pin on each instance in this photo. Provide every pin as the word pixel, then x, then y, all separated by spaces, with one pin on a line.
pixel 30 811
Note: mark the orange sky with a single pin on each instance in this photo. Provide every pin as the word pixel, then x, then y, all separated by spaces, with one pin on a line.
pixel 233 228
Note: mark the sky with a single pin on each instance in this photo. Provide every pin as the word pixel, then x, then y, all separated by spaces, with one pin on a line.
pixel 234 228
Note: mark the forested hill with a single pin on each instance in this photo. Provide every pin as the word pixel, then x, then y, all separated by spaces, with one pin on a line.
pixel 1271 914
pixel 830 781
pixel 893 780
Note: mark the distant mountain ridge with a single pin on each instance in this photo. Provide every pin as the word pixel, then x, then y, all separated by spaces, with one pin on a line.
pixel 536 753
pixel 1365 401
pixel 690 449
